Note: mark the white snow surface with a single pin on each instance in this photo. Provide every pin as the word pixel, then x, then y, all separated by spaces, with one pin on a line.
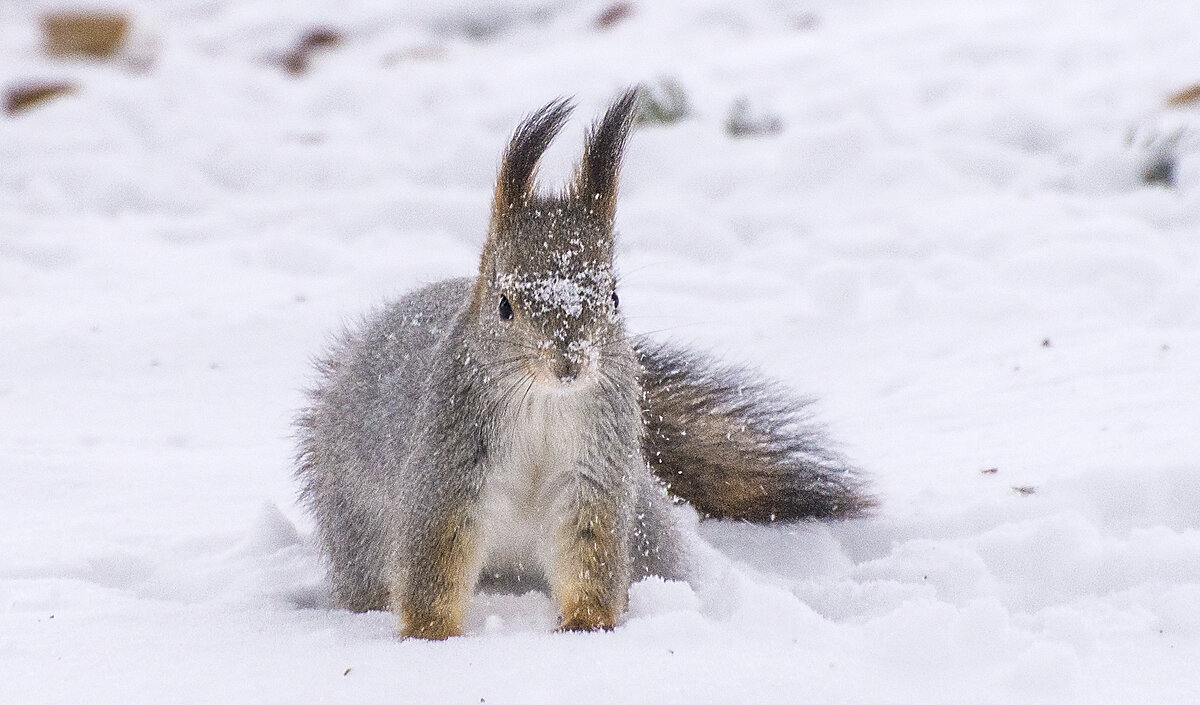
pixel 949 243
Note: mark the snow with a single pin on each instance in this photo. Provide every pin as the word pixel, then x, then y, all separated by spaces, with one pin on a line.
pixel 951 242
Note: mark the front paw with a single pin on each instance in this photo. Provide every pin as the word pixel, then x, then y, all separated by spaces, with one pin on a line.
pixel 428 626
pixel 587 618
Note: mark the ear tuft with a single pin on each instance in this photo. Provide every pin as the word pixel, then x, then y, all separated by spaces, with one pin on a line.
pixel 532 137
pixel 596 180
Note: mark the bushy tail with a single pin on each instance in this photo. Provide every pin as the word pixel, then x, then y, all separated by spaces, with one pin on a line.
pixel 737 447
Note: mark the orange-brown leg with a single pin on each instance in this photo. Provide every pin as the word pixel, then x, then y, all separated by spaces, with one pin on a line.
pixel 590 575
pixel 438 582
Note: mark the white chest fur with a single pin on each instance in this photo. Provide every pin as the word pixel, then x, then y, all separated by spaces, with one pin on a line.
pixel 528 484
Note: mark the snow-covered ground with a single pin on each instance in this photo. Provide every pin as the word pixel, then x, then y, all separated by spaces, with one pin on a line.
pixel 951 242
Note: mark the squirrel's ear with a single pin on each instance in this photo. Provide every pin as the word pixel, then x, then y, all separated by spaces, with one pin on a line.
pixel 515 182
pixel 596 180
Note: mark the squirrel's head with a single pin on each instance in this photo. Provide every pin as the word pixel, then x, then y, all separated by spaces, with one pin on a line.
pixel 546 294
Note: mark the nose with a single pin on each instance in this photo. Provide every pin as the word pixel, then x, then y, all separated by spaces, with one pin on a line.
pixel 570 362
pixel 565 369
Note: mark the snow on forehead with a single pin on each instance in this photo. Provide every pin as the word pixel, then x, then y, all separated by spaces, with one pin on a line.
pixel 568 291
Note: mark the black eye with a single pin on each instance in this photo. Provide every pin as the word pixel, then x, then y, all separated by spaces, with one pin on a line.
pixel 616 300
pixel 506 312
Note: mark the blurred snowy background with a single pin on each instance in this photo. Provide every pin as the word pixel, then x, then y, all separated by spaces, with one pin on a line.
pixel 971 229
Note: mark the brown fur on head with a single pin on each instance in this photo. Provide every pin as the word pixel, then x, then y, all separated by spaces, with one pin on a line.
pixel 546 273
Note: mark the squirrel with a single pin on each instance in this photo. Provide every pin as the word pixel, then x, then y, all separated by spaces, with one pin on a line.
pixel 508 425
